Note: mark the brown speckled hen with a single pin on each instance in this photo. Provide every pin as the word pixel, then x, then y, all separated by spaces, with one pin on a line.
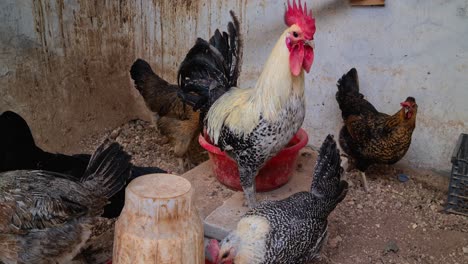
pixel 47 217
pixel 174 120
pixel 368 136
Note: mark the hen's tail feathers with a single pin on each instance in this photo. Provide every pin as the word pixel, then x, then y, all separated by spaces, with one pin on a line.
pixel 211 68
pixel 327 183
pixel 348 89
pixel 349 83
pixel 350 100
pixel 117 201
pixel 108 170
pixel 159 95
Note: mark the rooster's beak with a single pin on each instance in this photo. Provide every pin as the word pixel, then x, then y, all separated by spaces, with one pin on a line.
pixel 310 43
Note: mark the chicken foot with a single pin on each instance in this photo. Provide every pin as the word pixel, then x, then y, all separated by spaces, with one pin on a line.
pixel 185 163
pixel 247 180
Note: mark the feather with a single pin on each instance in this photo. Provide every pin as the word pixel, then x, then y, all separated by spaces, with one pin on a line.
pixel 211 68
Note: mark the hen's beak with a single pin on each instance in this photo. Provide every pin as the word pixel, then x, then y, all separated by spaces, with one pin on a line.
pixel 310 43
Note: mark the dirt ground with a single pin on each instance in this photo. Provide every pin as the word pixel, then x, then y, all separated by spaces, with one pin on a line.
pixel 394 222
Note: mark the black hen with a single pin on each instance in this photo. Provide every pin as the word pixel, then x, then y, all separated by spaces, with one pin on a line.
pixel 18 151
pixel 292 230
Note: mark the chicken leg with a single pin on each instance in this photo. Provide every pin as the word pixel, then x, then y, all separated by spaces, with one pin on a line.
pixel 364 180
pixel 247 180
pixel 185 163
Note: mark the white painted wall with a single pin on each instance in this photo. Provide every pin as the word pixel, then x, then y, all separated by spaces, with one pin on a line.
pixel 407 48
pixel 394 49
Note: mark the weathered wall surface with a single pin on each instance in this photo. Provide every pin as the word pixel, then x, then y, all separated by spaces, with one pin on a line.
pixel 407 48
pixel 64 67
pixel 65 62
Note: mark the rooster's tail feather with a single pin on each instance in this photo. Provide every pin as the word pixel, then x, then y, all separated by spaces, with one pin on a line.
pixel 211 68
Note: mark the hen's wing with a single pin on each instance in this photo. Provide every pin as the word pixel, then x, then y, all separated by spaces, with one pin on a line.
pixel 40 199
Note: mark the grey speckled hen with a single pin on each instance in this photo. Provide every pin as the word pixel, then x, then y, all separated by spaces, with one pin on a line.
pixel 46 217
pixel 292 230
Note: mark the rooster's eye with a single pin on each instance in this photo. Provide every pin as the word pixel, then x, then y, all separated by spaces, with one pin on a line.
pixel 225 255
pixel 295 34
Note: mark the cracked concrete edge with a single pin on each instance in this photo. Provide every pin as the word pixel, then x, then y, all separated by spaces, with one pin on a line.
pixel 214 231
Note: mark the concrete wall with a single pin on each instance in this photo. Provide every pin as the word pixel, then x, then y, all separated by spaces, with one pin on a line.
pixel 409 47
pixel 65 67
pixel 67 61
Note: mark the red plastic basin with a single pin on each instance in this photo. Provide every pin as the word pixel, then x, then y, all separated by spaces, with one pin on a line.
pixel 276 172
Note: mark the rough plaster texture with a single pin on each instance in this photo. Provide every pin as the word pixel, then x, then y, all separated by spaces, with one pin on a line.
pixel 65 67
pixel 407 48
pixel 65 62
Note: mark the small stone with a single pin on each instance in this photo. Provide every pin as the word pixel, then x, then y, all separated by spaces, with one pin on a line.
pixel 398 205
pixel 391 247
pixel 465 250
pixel 335 241
pixel 359 206
pixel 403 177
pixel 414 226
pixel 377 225
pixel 139 127
pixel 114 134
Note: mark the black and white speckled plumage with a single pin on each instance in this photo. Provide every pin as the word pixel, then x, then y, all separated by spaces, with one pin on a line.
pixel 251 151
pixel 46 217
pixel 298 224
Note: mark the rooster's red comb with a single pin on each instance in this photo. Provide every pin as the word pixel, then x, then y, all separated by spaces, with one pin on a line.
pixel 296 14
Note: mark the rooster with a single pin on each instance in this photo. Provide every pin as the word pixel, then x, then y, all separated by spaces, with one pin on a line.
pixel 368 136
pixel 18 151
pixel 174 120
pixel 251 124
pixel 48 217
pixel 292 230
